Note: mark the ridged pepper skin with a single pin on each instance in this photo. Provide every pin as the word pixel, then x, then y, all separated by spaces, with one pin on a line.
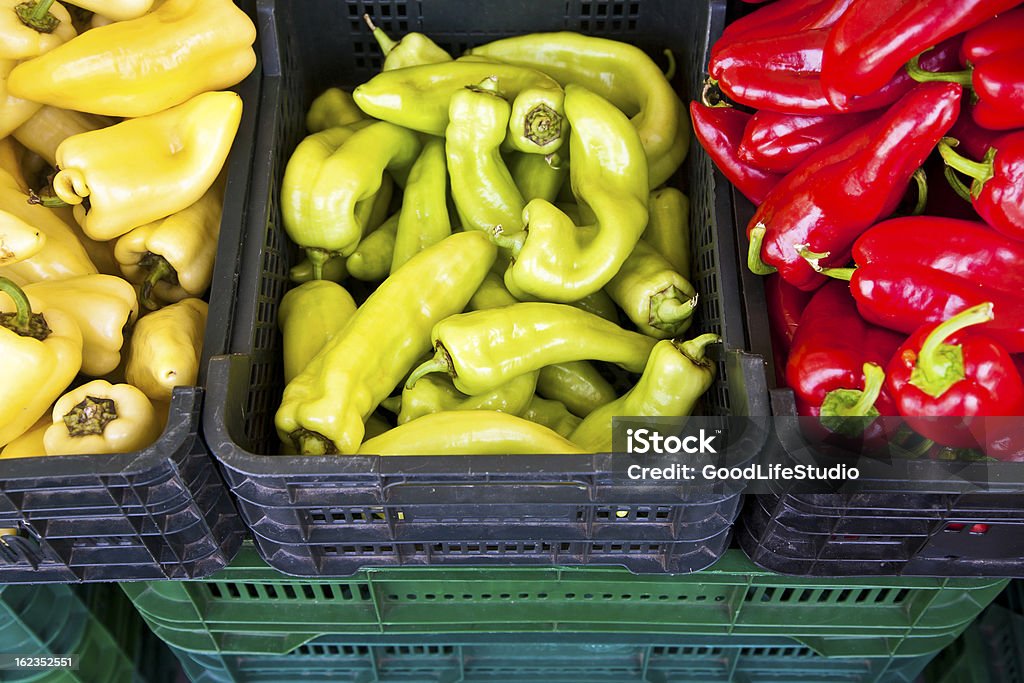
pixel 324 407
pixel 42 352
pixel 18 239
pixel 165 348
pixel 102 306
pixel 997 189
pixel 873 39
pixel 557 260
pixel 955 369
pixel 145 169
pixel 34 28
pixel 309 316
pixel 423 220
pixel 372 259
pixel 436 393
pixel 100 417
pixel 657 299
pixel 50 126
pixel 146 65
pixel 14 111
pixel 676 375
pixel 468 432
pixel 486 197
pixel 822 206
pixel 719 130
pixel 332 108
pixel 412 49
pixel 551 414
pixel 172 258
pixel 620 73
pixel 778 142
pixel 482 350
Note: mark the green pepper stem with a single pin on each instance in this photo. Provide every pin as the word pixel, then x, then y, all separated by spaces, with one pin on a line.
pixel 514 243
pixel 696 348
pixel 670 72
pixel 979 170
pixel 160 270
pixel 542 125
pixel 91 416
pixel 754 262
pixel 840 405
pixel 46 198
pixel 838 273
pixel 670 307
pixel 915 71
pixel 21 322
pixel 939 365
pixel 874 380
pixel 812 257
pixel 36 15
pixel 921 179
pixel 318 257
pixel 958 185
pixel 383 40
pixel 441 362
pixel 308 442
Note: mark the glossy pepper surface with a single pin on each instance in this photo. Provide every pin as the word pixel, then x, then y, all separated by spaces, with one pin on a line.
pixel 620 73
pixel 551 414
pixel 997 188
pixel 468 432
pixel 117 10
pixel 14 111
pixel 676 375
pixel 30 443
pixel 42 352
pixel 100 417
pixel 50 126
pixel 482 350
pixel 658 300
pixel 668 227
pixel 822 206
pixel 719 130
pixel 423 220
pixel 778 142
pixel 309 316
pixel 954 369
pixel 324 406
pixel 873 39
pixel 165 348
pixel 18 239
pixel 372 259
pixel 435 393
pixel 554 258
pixel 412 49
pixel 29 29
pixel 779 18
pixel 997 83
pixel 145 169
pixel 146 65
pixel 332 108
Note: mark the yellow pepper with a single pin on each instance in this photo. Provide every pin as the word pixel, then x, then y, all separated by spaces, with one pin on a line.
pixel 173 257
pixel 100 253
pixel 14 111
pixel 62 256
pixel 50 126
pixel 101 305
pixel 29 444
pixel 165 348
pixel 146 65
pixel 18 239
pixel 10 164
pixel 100 417
pixel 29 29
pixel 42 352
pixel 116 10
pixel 145 169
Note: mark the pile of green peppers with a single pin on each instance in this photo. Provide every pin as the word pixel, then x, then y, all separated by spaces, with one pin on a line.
pixel 510 205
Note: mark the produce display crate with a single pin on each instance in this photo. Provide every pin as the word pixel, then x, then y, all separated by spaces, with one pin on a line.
pixel 514 658
pixel 160 512
pixel 249 608
pixel 330 516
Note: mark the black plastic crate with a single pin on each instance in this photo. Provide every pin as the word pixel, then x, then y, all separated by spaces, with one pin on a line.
pixel 161 512
pixel 331 515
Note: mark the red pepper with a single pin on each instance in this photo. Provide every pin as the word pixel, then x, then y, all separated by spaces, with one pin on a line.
pixel 785 304
pixel 822 206
pixel 779 18
pixel 779 142
pixel 1001 34
pixel 974 139
pixel 997 192
pixel 836 363
pixel 998 85
pixel 874 39
pixel 950 370
pixel 719 131
pixel 905 296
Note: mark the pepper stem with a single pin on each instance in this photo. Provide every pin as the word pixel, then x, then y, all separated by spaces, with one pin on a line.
pixel 696 348
pixel 670 307
pixel 958 185
pixel 91 416
pixel 23 321
pixel 754 262
pixel 670 71
pixel 812 257
pixel 838 273
pixel 840 405
pixel 36 15
pixel 939 365
pixel 542 125
pixel 308 442
pixel 920 75
pixel 441 362
pixel 47 198
pixel 921 179
pixel 383 40
pixel 981 171
pixel 513 243
pixel 318 257
pixel 159 270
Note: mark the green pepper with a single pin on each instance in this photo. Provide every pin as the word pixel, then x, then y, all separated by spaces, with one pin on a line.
pixel 328 193
pixel 435 393
pixel 658 300
pixel 618 72
pixel 556 260
pixel 468 432
pixel 332 108
pixel 668 228
pixel 424 219
pixel 412 50
pixel 375 426
pixel 417 97
pixel 323 407
pixel 676 376
pixel 309 316
pixel 371 261
pixel 486 196
pixel 552 414
pixel 538 177
pixel 482 350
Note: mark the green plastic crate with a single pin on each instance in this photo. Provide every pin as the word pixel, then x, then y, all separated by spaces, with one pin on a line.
pixel 544 657
pixel 250 608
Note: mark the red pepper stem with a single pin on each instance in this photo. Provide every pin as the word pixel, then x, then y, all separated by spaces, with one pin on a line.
pixel 979 170
pixel 922 76
pixel 23 317
pixel 383 40
pixel 754 262
pixel 874 380
pixel 839 273
pixel 940 365
pixel 921 178
pixel 957 184
pixel 841 404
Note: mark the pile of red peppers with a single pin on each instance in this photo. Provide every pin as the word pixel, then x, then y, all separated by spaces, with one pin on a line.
pixel 882 143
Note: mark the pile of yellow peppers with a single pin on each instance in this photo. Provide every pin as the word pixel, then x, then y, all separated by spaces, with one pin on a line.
pixel 115 126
